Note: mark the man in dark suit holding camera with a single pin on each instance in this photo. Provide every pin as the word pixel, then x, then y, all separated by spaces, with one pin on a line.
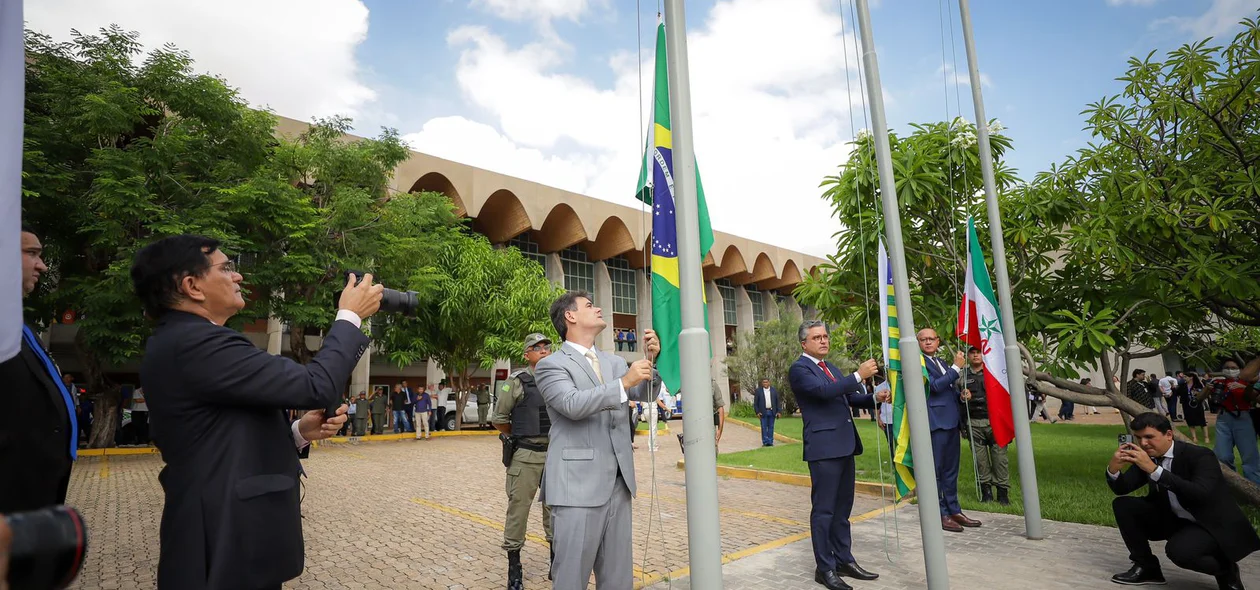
pixel 825 397
pixel 1187 503
pixel 217 413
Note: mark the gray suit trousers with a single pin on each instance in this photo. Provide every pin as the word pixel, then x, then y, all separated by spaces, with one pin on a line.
pixel 594 539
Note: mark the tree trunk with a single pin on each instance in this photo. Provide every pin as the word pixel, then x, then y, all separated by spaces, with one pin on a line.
pixel 297 343
pixel 1065 389
pixel 461 398
pixel 105 408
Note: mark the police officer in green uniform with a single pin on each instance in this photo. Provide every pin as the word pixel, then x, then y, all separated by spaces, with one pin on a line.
pixel 521 418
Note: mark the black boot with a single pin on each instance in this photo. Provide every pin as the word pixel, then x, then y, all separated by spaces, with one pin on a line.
pixel 551 564
pixel 515 577
pixel 1003 496
pixel 986 492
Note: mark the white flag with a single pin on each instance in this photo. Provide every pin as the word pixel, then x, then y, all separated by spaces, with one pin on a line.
pixel 12 90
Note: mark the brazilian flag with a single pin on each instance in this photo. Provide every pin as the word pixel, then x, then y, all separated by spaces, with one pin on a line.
pixel 657 190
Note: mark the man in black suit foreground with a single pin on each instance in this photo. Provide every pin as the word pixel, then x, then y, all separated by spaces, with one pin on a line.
pixel 39 441
pixel 217 413
pixel 1187 503
pixel 825 397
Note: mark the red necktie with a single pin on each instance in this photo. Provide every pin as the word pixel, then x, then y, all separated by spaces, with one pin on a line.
pixel 822 365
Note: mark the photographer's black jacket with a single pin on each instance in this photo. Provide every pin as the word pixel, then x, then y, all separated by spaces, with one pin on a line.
pixel 34 442
pixel 216 412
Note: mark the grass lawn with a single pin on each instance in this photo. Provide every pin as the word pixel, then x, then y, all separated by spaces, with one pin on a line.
pixel 1070 462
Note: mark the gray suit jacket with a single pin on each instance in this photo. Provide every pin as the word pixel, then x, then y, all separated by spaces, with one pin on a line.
pixel 590 428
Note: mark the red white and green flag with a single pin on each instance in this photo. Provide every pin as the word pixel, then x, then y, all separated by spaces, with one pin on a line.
pixel 979 325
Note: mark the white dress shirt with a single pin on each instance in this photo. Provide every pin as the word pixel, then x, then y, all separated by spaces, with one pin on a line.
pixel 765 392
pixel 582 350
pixel 1160 465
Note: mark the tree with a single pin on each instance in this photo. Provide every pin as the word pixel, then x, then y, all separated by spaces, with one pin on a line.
pixel 480 304
pixel 326 207
pixel 769 351
pixel 937 168
pixel 118 151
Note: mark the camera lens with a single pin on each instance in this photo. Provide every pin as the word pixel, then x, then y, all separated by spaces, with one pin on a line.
pixel 48 548
pixel 400 302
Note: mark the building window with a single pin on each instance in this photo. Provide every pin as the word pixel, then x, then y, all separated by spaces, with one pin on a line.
pixel 728 301
pixel 579 272
pixel 758 307
pixel 624 292
pixel 529 248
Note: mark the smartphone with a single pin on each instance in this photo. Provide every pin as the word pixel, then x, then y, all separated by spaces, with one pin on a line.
pixel 1124 439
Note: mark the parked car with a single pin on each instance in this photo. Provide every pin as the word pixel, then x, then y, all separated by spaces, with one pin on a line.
pixel 470 411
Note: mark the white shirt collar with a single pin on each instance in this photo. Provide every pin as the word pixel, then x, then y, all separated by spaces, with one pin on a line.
pixel 581 350
pixel 811 359
pixel 1169 454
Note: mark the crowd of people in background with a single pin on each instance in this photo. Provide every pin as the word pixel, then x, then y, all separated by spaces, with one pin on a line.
pixel 626 339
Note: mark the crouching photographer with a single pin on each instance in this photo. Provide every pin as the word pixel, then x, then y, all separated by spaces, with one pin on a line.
pixel 1187 503
pixel 42 549
pixel 217 403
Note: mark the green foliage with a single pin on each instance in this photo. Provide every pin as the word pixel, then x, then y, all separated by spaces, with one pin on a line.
pixel 477 305
pixel 742 409
pixel 770 350
pixel 937 167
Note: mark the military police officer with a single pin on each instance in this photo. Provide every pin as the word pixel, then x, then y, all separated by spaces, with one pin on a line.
pixel 520 415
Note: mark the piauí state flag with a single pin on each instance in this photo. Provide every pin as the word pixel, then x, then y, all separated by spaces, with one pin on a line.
pixel 903 459
pixel 979 325
pixel 659 193
pixel 12 81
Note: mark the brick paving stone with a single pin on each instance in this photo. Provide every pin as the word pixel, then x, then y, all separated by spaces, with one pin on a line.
pixel 996 555
pixel 427 515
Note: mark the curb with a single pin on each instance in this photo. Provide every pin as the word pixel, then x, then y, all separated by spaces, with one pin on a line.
pixel 794 479
pixel 779 437
pixel 403 436
pixel 118 451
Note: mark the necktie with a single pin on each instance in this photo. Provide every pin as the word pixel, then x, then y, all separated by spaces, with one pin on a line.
pixel 38 349
pixel 590 356
pixel 822 365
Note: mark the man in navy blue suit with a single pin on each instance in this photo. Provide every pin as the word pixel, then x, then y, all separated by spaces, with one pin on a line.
pixel 766 404
pixel 831 441
pixel 943 402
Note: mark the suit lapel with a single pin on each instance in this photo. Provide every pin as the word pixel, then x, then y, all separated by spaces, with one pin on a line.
pixel 31 358
pixel 582 362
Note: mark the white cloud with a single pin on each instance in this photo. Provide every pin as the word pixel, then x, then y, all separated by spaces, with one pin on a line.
pixel 1220 18
pixel 296 56
pixel 770 109
pixel 951 76
pixel 1131 2
pixel 541 10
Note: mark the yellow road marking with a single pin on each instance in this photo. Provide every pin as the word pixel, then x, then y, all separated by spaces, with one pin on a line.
pixel 756 515
pixel 104 466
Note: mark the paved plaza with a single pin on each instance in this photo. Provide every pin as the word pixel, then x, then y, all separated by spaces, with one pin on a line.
pixel 996 555
pixel 428 515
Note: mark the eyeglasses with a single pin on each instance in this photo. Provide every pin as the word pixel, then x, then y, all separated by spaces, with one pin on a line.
pixel 228 266
pixel 539 348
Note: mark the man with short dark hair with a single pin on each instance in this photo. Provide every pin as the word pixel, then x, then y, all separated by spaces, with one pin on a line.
pixel 766 405
pixel 945 419
pixel 1138 390
pixel 589 476
pixel 37 448
pixel 992 466
pixel 217 405
pixel 1187 503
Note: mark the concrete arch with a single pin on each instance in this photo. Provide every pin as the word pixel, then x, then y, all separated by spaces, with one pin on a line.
pixel 439 183
pixel 562 228
pixel 790 277
pixel 613 238
pixel 730 263
pixel 502 217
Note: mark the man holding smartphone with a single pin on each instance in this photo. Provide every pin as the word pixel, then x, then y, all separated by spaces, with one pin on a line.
pixel 1187 503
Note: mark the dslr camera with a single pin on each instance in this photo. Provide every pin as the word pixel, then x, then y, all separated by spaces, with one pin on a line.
pixel 48 548
pixel 392 301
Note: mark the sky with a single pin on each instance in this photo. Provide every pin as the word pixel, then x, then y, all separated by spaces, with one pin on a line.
pixel 558 91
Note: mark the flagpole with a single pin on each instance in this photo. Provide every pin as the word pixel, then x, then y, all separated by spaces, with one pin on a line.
pixel 12 83
pixel 1015 373
pixel 703 535
pixel 916 400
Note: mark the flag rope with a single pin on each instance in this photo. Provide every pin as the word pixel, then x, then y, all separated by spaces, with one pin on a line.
pixel 866 292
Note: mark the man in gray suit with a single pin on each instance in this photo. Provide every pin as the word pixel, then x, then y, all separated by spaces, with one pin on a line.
pixel 589 476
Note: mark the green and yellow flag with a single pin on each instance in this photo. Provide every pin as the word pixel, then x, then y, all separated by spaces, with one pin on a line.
pixel 903 459
pixel 658 191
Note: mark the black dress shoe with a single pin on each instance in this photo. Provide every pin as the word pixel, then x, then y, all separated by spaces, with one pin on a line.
pixel 1140 576
pixel 830 580
pixel 1231 579
pixel 855 571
